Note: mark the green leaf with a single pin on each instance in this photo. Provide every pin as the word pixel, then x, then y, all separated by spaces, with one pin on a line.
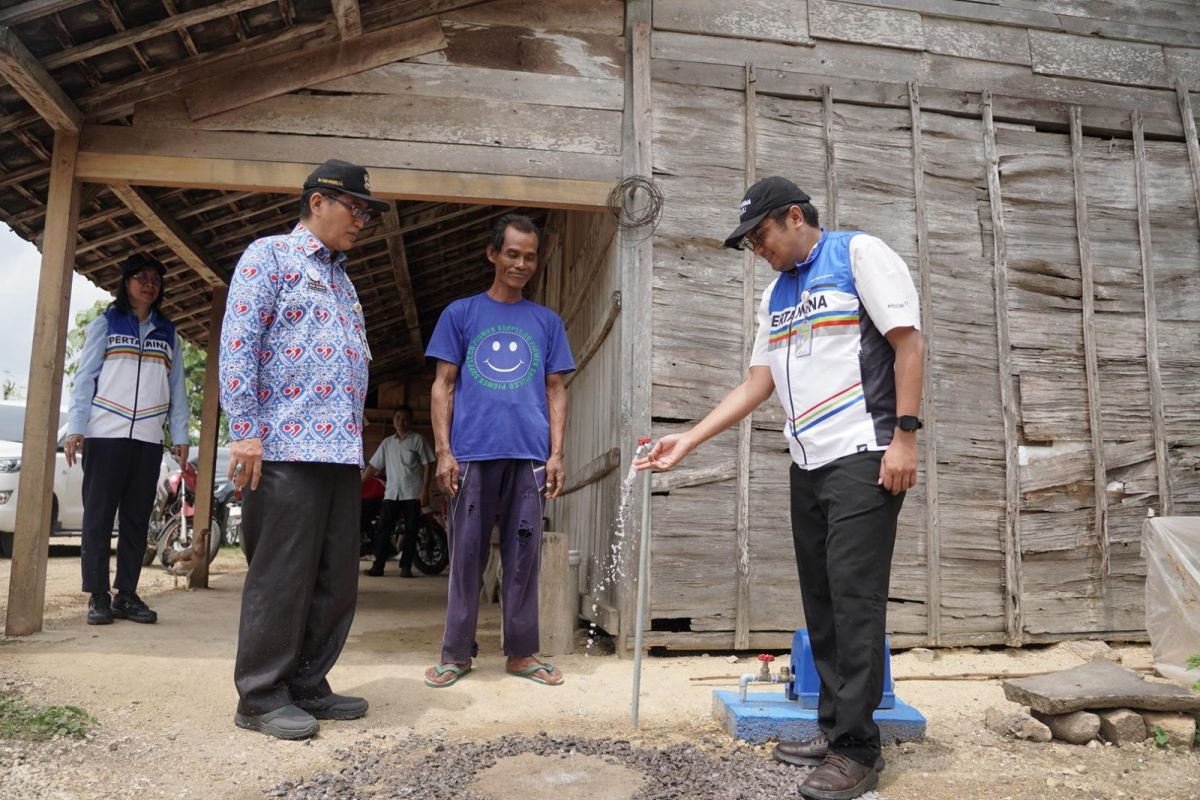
pixel 1193 661
pixel 1160 736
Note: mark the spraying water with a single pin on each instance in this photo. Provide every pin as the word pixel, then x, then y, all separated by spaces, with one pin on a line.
pixel 614 566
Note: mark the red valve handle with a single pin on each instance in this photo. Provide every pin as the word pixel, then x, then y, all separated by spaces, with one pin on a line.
pixel 644 440
pixel 766 658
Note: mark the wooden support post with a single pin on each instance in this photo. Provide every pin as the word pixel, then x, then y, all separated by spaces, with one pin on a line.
pixel 35 491
pixel 637 290
pixel 348 17
pixel 1090 360
pixel 1157 418
pixel 1189 135
pixel 210 420
pixel 558 600
pixel 741 556
pixel 1014 622
pixel 933 536
pixel 831 200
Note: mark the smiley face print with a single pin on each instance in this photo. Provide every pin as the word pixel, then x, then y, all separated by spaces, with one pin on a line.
pixel 503 357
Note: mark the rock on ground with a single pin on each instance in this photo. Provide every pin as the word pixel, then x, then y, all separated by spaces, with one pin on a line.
pixel 1017 724
pixel 1122 726
pixel 1092 650
pixel 1078 727
pixel 1180 728
pixel 1098 684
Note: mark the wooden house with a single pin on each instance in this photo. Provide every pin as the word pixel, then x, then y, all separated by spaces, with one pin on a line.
pixel 1034 161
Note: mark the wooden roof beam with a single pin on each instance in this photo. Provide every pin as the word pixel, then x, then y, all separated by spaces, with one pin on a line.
pixel 33 82
pixel 35 9
pixel 348 17
pixel 395 246
pixel 170 232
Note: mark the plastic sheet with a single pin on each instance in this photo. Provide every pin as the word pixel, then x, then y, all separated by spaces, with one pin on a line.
pixel 1171 548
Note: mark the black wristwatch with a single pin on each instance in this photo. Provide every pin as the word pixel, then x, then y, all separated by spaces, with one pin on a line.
pixel 910 424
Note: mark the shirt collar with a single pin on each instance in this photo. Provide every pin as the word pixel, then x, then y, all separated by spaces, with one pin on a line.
pixel 812 254
pixel 308 244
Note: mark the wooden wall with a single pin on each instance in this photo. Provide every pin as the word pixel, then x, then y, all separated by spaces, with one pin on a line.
pixel 1045 267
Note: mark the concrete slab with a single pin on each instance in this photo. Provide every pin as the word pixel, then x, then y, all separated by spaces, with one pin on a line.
pixel 770 715
pixel 572 777
pixel 1098 684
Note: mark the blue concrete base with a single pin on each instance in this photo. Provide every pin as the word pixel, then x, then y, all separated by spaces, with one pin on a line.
pixel 770 715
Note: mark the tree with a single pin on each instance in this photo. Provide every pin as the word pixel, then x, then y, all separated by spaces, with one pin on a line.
pixel 193 370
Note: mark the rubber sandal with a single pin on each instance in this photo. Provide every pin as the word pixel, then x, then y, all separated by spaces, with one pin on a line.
pixel 531 671
pixel 442 670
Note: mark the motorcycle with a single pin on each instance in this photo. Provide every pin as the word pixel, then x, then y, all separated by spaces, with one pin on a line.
pixel 432 553
pixel 172 523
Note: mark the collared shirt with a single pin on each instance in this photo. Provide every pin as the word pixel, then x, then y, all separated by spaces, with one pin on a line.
pixel 293 352
pixel 91 361
pixel 403 460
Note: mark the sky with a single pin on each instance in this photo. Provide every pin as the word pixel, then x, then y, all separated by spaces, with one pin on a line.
pixel 20 269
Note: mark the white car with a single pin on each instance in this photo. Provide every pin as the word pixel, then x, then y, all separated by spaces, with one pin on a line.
pixel 68 481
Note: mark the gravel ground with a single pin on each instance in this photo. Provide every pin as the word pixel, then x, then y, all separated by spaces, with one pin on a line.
pixel 418 767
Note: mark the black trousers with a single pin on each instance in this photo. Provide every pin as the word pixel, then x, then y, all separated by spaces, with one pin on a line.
pixel 844 530
pixel 389 513
pixel 117 473
pixel 300 535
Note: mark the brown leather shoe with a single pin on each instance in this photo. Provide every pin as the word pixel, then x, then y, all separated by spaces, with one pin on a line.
pixel 809 753
pixel 839 778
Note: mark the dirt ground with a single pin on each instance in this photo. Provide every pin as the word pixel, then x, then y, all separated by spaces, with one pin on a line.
pixel 164 698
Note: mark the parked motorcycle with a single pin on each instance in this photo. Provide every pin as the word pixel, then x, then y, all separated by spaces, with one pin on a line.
pixel 172 523
pixel 432 553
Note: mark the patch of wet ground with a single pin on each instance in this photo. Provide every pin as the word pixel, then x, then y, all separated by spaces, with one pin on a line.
pixel 443 769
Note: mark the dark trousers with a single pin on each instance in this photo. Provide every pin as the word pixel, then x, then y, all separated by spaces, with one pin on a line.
pixel 300 534
pixel 393 510
pixel 117 473
pixel 510 489
pixel 844 530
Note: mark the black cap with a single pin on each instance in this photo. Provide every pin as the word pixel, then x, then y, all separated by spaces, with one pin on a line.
pixel 138 262
pixel 344 178
pixel 762 198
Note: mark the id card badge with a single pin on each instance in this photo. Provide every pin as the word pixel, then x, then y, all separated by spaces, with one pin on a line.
pixel 802 343
pixel 362 331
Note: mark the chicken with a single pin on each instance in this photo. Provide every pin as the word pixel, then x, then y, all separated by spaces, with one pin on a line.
pixel 180 563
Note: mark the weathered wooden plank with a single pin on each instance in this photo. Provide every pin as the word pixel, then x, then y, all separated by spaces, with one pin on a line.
pixel 370 153
pixel 1189 132
pixel 594 470
pixel 404 287
pixel 1096 59
pixel 1152 368
pixel 766 20
pixel 348 17
pixel 263 176
pixel 426 119
pixel 598 16
pixel 831 181
pixel 1061 468
pixel 210 424
pixel 30 79
pixel 847 22
pixel 291 71
pixel 27 587
pixel 518 46
pixel 170 233
pixel 597 336
pixel 33 9
pixel 1091 367
pixel 929 399
pixel 1183 64
pixel 479 83
pixel 1014 626
pixel 976 41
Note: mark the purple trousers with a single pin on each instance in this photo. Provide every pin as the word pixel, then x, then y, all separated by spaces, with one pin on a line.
pixel 509 491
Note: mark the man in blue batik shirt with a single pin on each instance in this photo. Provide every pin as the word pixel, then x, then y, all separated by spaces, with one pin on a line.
pixel 499 410
pixel 293 382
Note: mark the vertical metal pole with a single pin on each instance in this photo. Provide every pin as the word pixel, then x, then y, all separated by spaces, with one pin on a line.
pixel 643 574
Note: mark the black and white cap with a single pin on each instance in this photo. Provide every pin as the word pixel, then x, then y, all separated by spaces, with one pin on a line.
pixel 762 198
pixel 344 178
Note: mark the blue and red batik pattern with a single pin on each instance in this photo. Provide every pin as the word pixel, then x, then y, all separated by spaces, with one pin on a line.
pixel 293 352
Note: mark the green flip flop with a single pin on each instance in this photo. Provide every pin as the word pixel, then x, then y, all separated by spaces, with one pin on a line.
pixel 531 671
pixel 442 670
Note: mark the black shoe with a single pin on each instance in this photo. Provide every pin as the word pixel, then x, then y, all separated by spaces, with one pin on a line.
pixel 334 706
pixel 130 606
pixel 100 609
pixel 288 722
pixel 374 571
pixel 406 572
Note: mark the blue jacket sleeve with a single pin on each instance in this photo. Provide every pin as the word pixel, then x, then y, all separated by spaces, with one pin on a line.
pixel 251 301
pixel 83 388
pixel 178 414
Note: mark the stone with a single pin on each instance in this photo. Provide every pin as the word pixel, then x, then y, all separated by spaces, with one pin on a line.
pixel 923 654
pixel 1092 650
pixel 1179 728
pixel 1078 727
pixel 1016 724
pixel 1122 726
pixel 1097 685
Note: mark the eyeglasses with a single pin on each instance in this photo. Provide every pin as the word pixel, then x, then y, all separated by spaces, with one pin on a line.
pixel 148 278
pixel 362 214
pixel 754 238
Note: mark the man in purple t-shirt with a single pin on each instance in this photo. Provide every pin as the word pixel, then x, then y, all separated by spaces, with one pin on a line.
pixel 499 418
